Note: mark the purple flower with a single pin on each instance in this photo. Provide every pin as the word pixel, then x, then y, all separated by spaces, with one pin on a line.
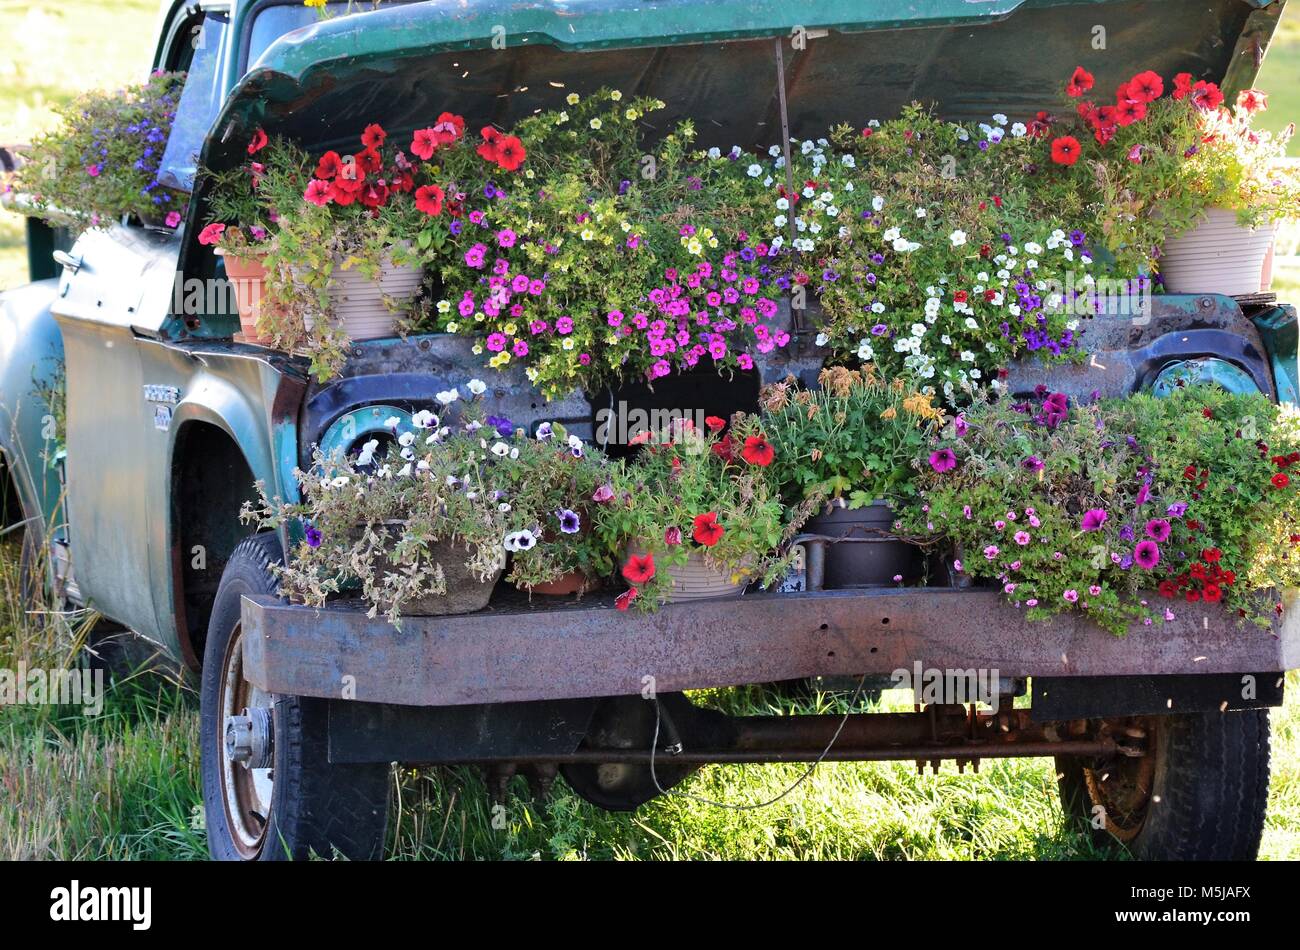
pixel 1177 509
pixel 1147 554
pixel 1033 463
pixel 314 536
pixel 503 425
pixel 1093 519
pixel 569 521
pixel 603 493
pixel 1158 529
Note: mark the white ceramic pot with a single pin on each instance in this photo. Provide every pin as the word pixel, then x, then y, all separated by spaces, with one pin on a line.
pixel 1217 256
pixel 358 302
pixel 697 580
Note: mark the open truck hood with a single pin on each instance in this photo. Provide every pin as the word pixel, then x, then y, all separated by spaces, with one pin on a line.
pixel 715 61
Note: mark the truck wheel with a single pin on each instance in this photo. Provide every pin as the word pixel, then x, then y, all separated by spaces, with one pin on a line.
pixel 1197 795
pixel 269 790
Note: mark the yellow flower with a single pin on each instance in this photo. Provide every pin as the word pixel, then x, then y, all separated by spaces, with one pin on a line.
pixel 453 327
pixel 314 3
pixel 567 344
pixel 479 317
pixel 501 359
pixel 587 234
pixel 477 349
pixel 572 98
pixel 889 413
pixel 595 124
pixel 510 329
pixel 616 95
pixel 444 306
pixel 632 114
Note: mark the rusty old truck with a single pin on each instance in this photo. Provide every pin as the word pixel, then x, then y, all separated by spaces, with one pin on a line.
pixel 170 420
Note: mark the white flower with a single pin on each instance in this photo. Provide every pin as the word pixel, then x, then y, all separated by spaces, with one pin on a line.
pixel 865 352
pixel 877 307
pixel 822 339
pixel 779 221
pixel 447 396
pixel 715 153
pixel 406 438
pixel 903 245
pixel 782 204
pixel 848 161
pixel 339 481
pixel 1018 130
pixel 832 212
pixel 755 170
pixel 424 419
pixel 384 472
pixel 422 466
pixel 774 151
pixel 476 386
pixel 405 470
pixel 874 123
pixel 995 136
pixel 500 449
pixel 962 134
pixel 519 541
pixel 946 340
pixel 891 234
pixel 967 356
pixel 918 330
pixel 877 203
pixel 1033 247
pixel 367 453
pixel 957 237
pixel 999 118
pixel 392 422
pixel 920 212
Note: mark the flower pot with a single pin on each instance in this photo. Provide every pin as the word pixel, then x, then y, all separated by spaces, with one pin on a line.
pixel 861 549
pixel 697 580
pixel 465 594
pixel 1217 256
pixel 574 582
pixel 357 302
pixel 247 277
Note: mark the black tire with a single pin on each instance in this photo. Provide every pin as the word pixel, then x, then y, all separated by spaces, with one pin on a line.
pixel 315 808
pixel 1203 794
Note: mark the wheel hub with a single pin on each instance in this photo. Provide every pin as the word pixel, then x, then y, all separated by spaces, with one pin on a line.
pixel 250 738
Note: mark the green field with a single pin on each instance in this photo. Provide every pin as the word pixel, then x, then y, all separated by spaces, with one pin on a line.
pixel 125 784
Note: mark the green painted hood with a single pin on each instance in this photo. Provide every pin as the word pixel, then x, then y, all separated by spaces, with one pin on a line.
pixel 715 61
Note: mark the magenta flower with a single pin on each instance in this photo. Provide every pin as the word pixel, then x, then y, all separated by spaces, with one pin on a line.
pixel 991 551
pixel 1022 538
pixel 1158 529
pixel 943 460
pixel 1147 554
pixel 1093 519
pixel 1072 596
pixel 506 237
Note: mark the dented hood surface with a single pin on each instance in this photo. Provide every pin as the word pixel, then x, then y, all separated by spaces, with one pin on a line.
pixel 714 61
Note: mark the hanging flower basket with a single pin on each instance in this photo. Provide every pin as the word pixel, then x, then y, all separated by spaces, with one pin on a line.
pixel 1217 256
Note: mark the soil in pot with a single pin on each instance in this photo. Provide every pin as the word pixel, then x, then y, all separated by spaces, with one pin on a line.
pixel 863 551
pixel 247 278
pixel 1216 256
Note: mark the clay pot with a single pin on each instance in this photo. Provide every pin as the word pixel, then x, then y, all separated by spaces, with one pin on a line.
pixel 247 276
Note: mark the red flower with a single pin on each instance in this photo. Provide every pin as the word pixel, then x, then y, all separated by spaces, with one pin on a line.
pixel 1146 86
pixel 758 451
pixel 1079 83
pixel 715 423
pixel 623 600
pixel 403 181
pixel 257 142
pixel 374 194
pixel 722 449
pixel 368 160
pixel 424 144
pixel 1212 593
pixel 344 190
pixel 707 530
pixel 329 165
pixel 1207 95
pixel 318 192
pixel 488 149
pixel 961 296
pixel 639 568
pixel 448 128
pixel 510 153
pixel 1182 85
pixel 1130 111
pixel 211 234
pixel 428 199
pixel 373 136
pixel 673 536
pixel 1207 412
pixel 1065 150
pixel 1251 101
pixel 1280 480
pixel 1167 589
pixel 1189 472
pixel 1211 555
pixel 1193 596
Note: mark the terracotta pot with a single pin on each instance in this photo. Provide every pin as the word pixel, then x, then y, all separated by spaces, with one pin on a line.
pixel 696 580
pixel 465 592
pixel 358 302
pixel 574 582
pixel 247 276
pixel 1216 256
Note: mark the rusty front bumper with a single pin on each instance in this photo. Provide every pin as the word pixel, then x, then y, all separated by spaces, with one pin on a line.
pixel 590 649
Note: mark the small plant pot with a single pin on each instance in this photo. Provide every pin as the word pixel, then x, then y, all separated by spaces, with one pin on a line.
pixel 247 277
pixel 465 593
pixel 1217 256
pixel 574 582
pixel 358 303
pixel 697 580
pixel 862 550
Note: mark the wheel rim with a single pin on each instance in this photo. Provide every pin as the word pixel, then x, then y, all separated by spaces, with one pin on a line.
pixel 246 792
pixel 1123 788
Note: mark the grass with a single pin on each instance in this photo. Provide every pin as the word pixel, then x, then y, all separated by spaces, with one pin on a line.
pixel 125 784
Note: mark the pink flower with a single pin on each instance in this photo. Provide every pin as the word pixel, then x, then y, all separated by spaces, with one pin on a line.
pixel 943 460
pixel 1032 602
pixel 1022 538
pixel 603 493
pixel 1071 595
pixel 93 170
pixel 991 551
pixel 506 237
pixel 1094 590
pixel 211 234
pixel 1147 554
pixel 173 219
pixel 957 565
pixel 1093 519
